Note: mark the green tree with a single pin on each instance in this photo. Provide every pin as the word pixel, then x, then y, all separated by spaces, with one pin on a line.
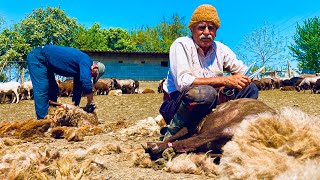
pixel 13 51
pixel 170 30
pixel 146 39
pixel 90 39
pixel 1 22
pixel 48 26
pixel 119 40
pixel 307 44
pixel 160 37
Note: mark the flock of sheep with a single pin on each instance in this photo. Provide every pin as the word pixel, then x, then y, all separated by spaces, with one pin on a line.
pixel 306 82
pixel 12 92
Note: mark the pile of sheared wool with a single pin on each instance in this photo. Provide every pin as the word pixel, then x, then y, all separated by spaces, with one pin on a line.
pixel 32 163
pixel 144 127
pixel 69 115
pixel 281 146
pixel 70 122
pixel 269 146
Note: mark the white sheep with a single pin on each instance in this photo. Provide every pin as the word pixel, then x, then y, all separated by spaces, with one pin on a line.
pixel 26 87
pixel 308 83
pixel 10 87
pixel 115 92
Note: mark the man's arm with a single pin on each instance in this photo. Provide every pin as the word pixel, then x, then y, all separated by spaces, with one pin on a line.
pixel 89 98
pixel 90 107
pixel 238 81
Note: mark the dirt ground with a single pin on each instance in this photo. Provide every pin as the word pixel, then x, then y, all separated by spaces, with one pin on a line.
pixel 118 112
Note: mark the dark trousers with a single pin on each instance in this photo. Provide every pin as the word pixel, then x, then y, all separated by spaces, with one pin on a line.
pixel 199 102
pixel 203 98
pixel 45 87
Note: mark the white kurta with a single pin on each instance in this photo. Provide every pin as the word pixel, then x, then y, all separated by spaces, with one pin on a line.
pixel 187 62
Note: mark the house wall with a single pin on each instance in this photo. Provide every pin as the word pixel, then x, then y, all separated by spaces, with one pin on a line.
pixel 128 65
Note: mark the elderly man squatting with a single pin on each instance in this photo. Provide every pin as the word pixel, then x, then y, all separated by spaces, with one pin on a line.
pixel 196 71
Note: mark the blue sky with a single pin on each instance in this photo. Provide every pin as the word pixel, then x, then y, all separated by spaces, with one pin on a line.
pixel 238 18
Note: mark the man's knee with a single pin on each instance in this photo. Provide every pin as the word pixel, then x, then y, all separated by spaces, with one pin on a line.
pixel 202 94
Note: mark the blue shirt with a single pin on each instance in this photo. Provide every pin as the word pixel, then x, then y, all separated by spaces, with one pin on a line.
pixel 70 62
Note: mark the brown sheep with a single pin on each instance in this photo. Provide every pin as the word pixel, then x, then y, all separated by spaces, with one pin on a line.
pixel 316 87
pixel 103 86
pixel 287 88
pixel 147 91
pixel 218 127
pixel 276 83
pixel 160 87
pixel 266 83
pixel 258 84
pixel 66 88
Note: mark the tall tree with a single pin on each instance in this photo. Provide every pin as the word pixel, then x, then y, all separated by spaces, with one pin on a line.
pixel 146 39
pixel 119 39
pixel 1 22
pixel 13 51
pixel 48 26
pixel 170 29
pixel 90 39
pixel 307 44
pixel 261 45
pixel 160 37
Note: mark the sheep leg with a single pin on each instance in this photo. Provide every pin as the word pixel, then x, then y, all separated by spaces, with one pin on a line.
pixel 29 96
pixel 17 96
pixel 179 135
pixel 185 145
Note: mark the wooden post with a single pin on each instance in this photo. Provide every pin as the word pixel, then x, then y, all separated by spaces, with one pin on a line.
pixel 289 71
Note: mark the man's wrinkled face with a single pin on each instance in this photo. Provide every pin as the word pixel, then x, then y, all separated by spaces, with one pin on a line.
pixel 203 34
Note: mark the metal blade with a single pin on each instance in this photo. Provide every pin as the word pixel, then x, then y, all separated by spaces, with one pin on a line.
pixel 248 70
pixel 256 73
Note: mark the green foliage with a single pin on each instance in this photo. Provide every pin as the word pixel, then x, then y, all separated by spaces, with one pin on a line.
pixel 119 40
pixel 146 40
pixel 48 26
pixel 171 30
pixel 90 39
pixel 13 47
pixel 159 38
pixel 1 22
pixel 2 78
pixel 307 44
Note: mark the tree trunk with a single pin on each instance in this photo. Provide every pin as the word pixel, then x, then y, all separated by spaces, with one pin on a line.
pixel 22 75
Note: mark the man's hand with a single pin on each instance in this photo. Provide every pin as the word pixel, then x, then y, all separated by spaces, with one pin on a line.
pixel 238 81
pixel 90 108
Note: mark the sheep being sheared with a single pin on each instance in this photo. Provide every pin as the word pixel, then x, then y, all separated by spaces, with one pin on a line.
pixel 67 121
pixel 263 145
pixel 218 126
pixel 269 145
